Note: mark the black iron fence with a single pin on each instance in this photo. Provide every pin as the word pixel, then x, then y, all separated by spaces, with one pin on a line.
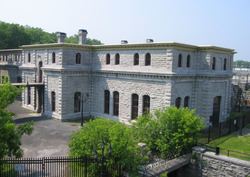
pixel 226 152
pixel 57 167
pixel 223 128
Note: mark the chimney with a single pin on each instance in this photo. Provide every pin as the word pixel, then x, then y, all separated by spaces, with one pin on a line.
pixel 60 37
pixel 82 34
pixel 149 40
pixel 124 41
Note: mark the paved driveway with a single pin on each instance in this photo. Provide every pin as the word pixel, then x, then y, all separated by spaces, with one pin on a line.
pixel 50 137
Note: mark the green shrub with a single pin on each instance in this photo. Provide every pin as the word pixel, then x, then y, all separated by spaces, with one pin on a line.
pixel 169 131
pixel 120 147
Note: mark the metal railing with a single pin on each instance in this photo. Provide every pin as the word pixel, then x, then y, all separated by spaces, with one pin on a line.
pixel 56 167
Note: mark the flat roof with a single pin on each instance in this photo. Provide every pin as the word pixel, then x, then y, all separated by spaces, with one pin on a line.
pixel 131 46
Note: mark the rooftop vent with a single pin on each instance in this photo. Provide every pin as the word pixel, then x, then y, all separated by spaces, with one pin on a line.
pixel 124 41
pixel 149 40
pixel 60 37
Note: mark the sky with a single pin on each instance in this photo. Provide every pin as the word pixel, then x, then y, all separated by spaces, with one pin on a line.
pixel 224 23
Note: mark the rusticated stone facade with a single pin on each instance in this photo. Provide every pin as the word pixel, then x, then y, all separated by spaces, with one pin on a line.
pixel 174 72
pixel 208 164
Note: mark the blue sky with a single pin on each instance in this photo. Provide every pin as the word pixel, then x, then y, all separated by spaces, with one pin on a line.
pixel 224 23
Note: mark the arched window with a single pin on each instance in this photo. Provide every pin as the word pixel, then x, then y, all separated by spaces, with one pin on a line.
pixel 78 58
pixel 147 59
pixel 180 60
pixel 53 101
pixel 107 59
pixel 77 102
pixel 213 63
pixel 29 57
pixel 115 103
pixel 136 59
pixel 117 59
pixel 178 102
pixel 186 101
pixel 134 106
pixel 145 104
pixel 28 95
pixel 106 101
pixel 225 64
pixel 53 57
pixel 19 79
pixel 188 61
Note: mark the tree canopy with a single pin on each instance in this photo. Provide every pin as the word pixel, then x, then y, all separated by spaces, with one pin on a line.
pixel 169 132
pixel 74 39
pixel 15 35
pixel 166 133
pixel 241 64
pixel 116 140
pixel 10 134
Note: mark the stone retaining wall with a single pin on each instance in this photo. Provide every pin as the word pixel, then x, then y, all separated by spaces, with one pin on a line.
pixel 209 165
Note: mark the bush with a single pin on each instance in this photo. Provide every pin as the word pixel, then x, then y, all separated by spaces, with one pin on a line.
pixel 169 132
pixel 10 134
pixel 120 147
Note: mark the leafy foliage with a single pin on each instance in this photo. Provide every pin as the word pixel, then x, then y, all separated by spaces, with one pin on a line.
pixel 241 64
pixel 120 147
pixel 15 35
pixel 170 131
pixel 10 134
pixel 74 39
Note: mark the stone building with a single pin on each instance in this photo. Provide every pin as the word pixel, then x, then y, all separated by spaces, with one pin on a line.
pixel 126 80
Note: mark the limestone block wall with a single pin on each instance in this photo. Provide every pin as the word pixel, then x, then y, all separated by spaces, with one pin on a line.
pixel 52 83
pixel 69 57
pixel 214 165
pixel 28 76
pixel 182 88
pixel 10 71
pixel 184 69
pixel 206 90
pixel 74 81
pixel 204 62
pixel 161 60
pixel 157 89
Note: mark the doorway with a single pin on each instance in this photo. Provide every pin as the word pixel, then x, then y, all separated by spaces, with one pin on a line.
pixel 216 111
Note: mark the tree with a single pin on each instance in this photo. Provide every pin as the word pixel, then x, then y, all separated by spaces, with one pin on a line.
pixel 241 64
pixel 116 140
pixel 10 134
pixel 74 40
pixel 15 35
pixel 169 132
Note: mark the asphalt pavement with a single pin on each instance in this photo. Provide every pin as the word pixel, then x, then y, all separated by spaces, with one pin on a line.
pixel 50 137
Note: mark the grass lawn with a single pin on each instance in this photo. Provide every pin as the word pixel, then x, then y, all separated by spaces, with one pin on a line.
pixel 237 145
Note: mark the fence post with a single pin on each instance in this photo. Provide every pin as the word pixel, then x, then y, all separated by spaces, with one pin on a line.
pixel 217 151
pixel 209 131
pixel 43 166
pixel 229 130
pixel 241 125
pixel 219 129
pixel 85 167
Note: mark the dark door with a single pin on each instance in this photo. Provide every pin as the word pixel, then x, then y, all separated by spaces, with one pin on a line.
pixel 216 111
